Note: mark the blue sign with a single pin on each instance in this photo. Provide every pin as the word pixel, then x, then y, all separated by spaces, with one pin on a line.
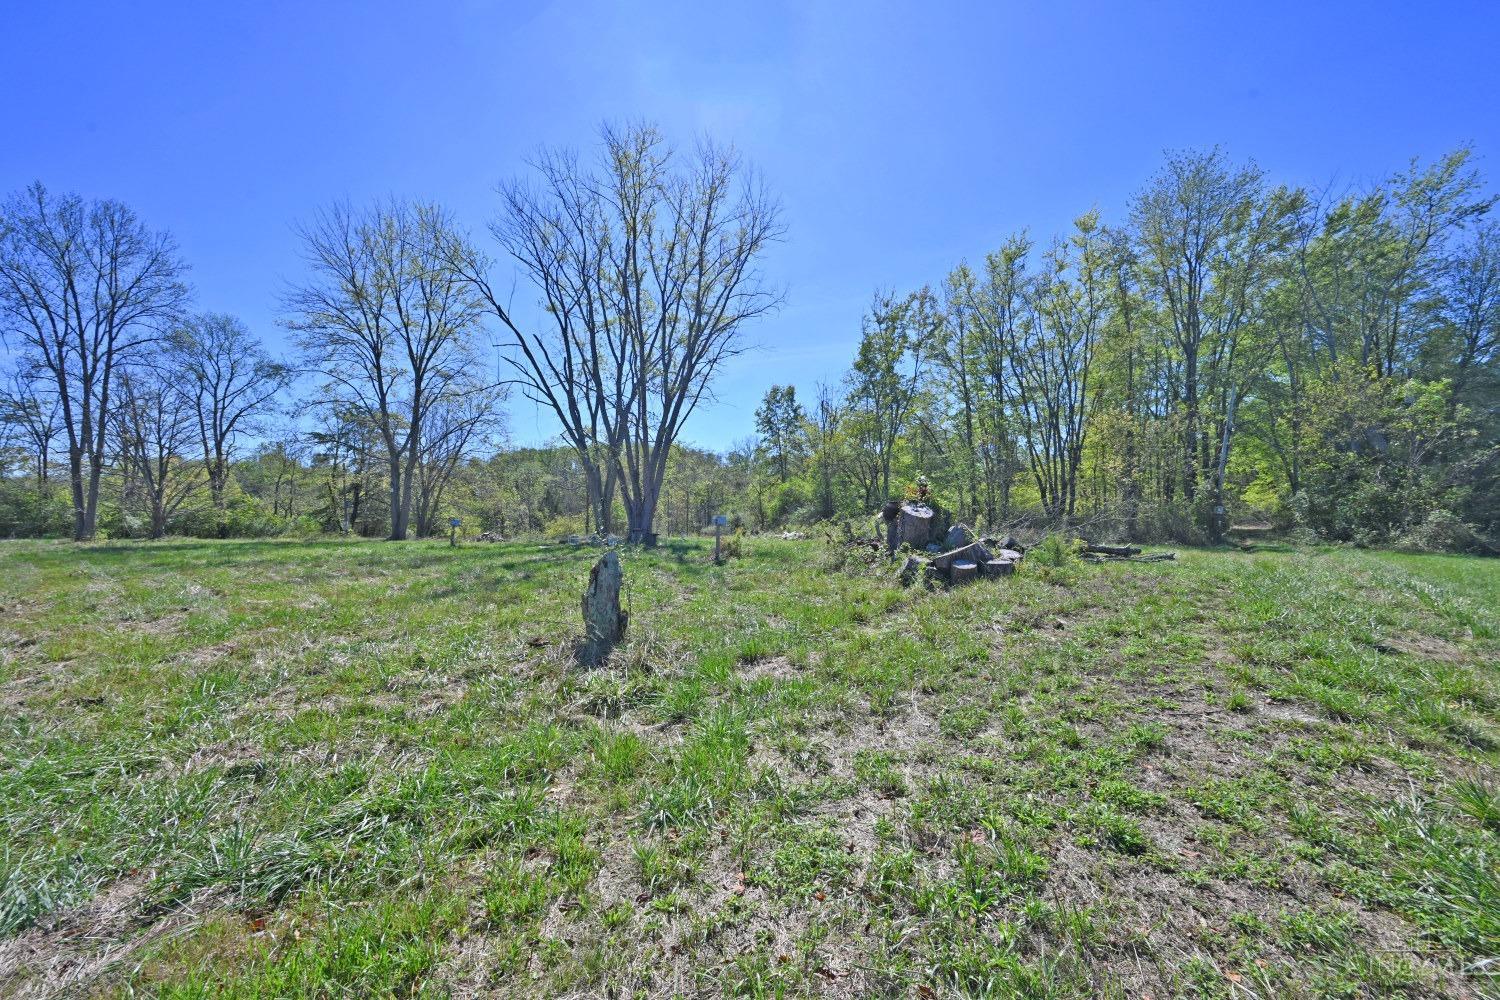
pixel 454 522
pixel 720 520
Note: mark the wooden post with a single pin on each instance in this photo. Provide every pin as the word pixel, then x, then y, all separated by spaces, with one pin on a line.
pixel 719 521
pixel 453 524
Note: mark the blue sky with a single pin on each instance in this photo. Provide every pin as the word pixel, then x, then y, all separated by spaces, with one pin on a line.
pixel 900 137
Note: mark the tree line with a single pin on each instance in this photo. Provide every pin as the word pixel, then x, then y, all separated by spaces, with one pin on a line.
pixel 1229 349
pixel 646 261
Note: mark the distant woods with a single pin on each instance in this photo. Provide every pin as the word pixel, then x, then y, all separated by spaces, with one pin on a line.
pixel 1228 348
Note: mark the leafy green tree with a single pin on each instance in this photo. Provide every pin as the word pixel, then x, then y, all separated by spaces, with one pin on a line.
pixel 780 421
pixel 1210 235
pixel 886 382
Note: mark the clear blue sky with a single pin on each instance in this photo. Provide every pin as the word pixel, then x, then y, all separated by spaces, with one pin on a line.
pixel 901 137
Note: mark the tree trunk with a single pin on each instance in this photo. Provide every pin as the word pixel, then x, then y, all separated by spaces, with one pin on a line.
pixel 1219 524
pixel 606 518
pixel 75 485
pixel 398 519
pixel 641 515
pixel 1190 432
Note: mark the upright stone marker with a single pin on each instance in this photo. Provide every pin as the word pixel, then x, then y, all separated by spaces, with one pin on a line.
pixel 603 621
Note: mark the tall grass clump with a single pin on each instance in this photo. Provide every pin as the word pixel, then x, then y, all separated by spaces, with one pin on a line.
pixel 1054 560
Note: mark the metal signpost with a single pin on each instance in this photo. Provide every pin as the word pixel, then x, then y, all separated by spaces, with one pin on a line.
pixel 719 521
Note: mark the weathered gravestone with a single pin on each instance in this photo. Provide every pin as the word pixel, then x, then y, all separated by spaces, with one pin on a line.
pixel 603 620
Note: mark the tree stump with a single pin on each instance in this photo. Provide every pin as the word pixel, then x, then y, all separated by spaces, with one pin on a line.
pixel 603 621
pixel 999 567
pixel 914 525
pixel 963 571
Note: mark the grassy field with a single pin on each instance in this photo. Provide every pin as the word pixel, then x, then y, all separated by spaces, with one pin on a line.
pixel 324 768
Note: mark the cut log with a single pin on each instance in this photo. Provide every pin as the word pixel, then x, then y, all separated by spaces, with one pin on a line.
pixel 1014 555
pixel 963 571
pixel 1120 551
pixel 603 621
pixel 999 567
pixel 891 515
pixel 974 553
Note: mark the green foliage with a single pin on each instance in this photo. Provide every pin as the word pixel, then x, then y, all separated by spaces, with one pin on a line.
pixel 732 546
pixel 1368 478
pixel 1055 559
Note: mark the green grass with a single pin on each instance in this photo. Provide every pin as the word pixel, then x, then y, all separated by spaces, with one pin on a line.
pixel 322 768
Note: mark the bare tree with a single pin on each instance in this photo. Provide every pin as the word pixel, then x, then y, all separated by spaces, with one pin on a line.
pixel 455 428
pixel 1210 235
pixel 557 229
pixel 230 382
pixel 648 273
pixel 86 285
pixel 685 272
pixel 391 324
pixel 1051 353
pixel 33 415
pixel 155 432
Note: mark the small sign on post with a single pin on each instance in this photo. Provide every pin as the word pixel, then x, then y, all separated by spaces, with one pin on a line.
pixel 453 525
pixel 719 521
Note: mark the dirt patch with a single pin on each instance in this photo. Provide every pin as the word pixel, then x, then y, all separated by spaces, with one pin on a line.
pixel 73 951
pixel 1423 647
pixel 1289 712
pixel 775 667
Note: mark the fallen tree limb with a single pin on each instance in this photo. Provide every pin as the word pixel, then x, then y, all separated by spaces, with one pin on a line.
pixel 1153 557
pixel 1119 551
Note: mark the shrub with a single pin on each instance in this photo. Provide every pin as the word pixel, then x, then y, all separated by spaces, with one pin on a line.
pixel 733 547
pixel 1443 531
pixel 563 525
pixel 1054 559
